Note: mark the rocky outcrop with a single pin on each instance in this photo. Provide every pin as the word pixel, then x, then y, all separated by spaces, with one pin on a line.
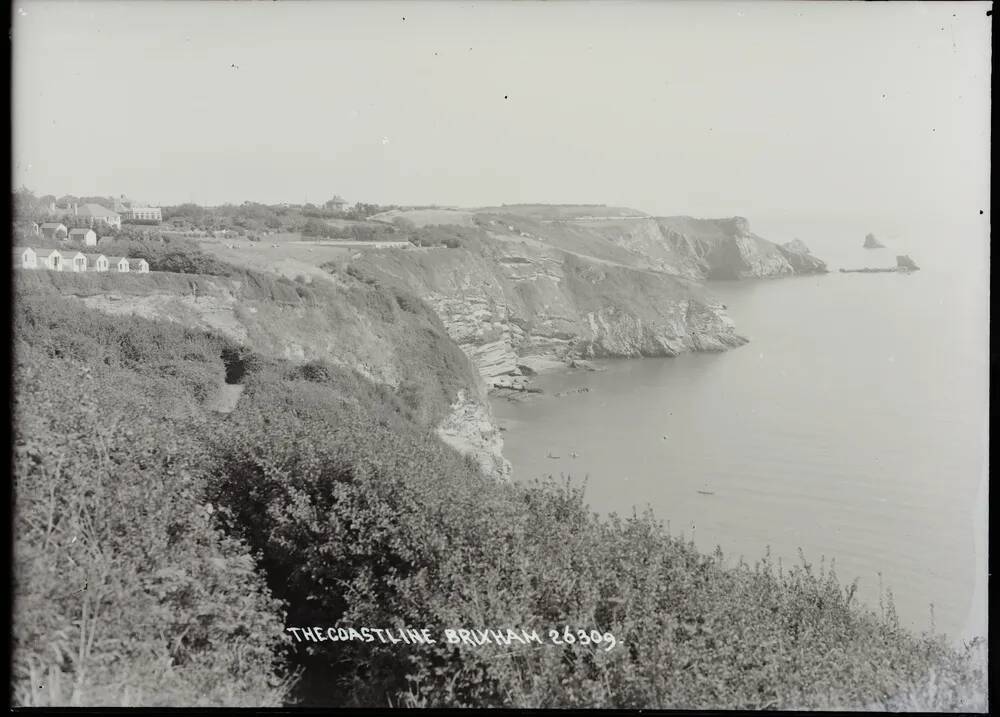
pixel 727 249
pixel 905 263
pixel 796 245
pixel 511 302
pixel 872 243
pixel 798 255
pixel 702 248
pixel 471 429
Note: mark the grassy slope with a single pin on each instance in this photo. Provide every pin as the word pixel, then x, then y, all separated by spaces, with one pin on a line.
pixel 562 211
pixel 351 320
pixel 354 514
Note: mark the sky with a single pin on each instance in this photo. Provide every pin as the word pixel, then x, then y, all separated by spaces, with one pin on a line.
pixel 771 110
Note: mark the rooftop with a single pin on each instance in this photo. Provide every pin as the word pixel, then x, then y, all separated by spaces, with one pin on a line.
pixel 95 210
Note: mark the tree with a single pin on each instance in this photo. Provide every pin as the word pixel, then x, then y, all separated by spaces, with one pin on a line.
pixel 26 206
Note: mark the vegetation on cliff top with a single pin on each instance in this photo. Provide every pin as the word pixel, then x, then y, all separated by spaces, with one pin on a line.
pixel 160 551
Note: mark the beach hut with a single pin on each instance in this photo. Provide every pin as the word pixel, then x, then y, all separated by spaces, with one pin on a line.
pixel 118 263
pixel 25 257
pixel 51 259
pixel 73 260
pixel 97 262
pixel 87 236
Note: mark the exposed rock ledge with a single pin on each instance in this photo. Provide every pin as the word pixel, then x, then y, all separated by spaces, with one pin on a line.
pixel 514 304
pixel 471 429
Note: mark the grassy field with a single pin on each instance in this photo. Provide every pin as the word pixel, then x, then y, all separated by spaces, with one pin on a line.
pixel 284 256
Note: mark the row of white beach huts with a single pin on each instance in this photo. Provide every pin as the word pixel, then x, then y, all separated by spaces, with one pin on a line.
pixel 71 260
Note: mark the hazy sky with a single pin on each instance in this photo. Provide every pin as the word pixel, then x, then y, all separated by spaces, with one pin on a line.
pixel 753 108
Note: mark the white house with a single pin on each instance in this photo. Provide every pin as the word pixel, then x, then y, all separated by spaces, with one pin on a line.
pixel 139 265
pixel 54 230
pixel 142 215
pixel 25 257
pixel 52 259
pixel 73 260
pixel 87 236
pixel 118 263
pixel 97 262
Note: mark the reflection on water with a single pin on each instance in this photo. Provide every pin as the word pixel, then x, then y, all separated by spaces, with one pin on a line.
pixel 852 426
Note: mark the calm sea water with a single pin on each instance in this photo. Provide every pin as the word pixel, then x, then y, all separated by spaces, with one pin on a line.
pixel 852 426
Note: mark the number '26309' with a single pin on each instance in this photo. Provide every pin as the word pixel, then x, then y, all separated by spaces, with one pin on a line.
pixel 582 637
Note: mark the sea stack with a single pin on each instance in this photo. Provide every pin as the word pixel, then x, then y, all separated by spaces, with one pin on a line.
pixel 905 263
pixel 872 243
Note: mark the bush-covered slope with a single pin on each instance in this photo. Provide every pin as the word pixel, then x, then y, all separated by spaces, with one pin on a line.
pixel 160 551
pixel 382 331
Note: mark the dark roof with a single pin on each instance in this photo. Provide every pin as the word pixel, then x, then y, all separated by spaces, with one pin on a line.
pixel 81 230
pixel 53 225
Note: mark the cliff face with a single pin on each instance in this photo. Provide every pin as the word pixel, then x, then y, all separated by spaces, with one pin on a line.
pixel 512 294
pixel 388 336
pixel 693 248
pixel 727 249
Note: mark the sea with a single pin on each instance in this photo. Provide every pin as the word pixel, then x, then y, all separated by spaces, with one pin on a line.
pixel 851 430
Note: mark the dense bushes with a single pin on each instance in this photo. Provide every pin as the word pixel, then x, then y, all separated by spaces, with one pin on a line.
pixel 151 554
pixel 361 521
pixel 176 255
pixel 125 590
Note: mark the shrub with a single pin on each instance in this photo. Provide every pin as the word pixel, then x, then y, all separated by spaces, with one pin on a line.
pixel 158 554
pixel 126 592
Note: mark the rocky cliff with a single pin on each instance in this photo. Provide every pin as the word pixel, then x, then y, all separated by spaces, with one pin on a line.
pixel 727 249
pixel 509 295
pixel 693 248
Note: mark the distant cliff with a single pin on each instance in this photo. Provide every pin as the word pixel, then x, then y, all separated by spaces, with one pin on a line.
pixel 708 248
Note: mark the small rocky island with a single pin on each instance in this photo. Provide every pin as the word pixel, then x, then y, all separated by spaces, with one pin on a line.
pixel 904 264
pixel 872 243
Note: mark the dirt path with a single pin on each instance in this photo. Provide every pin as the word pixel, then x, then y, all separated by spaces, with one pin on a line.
pixel 225 399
